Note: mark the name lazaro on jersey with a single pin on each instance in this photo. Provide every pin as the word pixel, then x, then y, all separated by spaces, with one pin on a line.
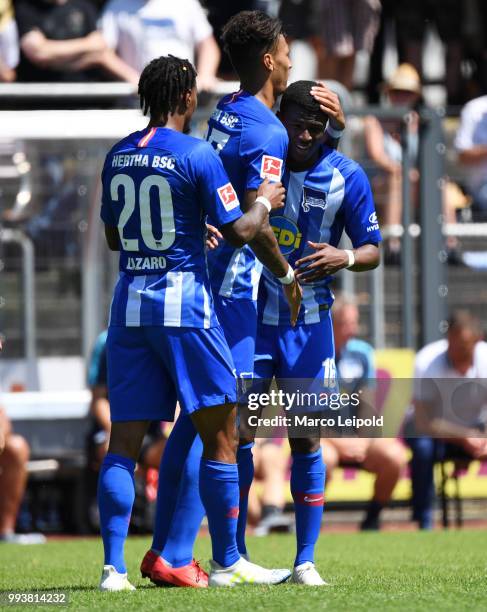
pixel 158 187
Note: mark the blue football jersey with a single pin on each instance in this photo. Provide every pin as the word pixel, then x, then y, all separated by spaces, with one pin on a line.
pixel 320 203
pixel 252 144
pixel 158 187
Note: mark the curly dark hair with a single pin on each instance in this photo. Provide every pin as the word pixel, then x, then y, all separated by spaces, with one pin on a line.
pixel 298 93
pixel 162 85
pixel 247 36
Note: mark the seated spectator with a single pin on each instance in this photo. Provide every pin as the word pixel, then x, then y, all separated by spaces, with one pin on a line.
pixel 383 142
pixel 140 30
pixel 446 421
pixel 59 42
pixel 13 480
pixel 266 507
pixel 9 42
pixel 471 144
pixel 98 438
pixel 345 28
pixel 384 457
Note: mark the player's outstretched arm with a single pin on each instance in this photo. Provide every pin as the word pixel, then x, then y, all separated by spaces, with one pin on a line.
pixel 253 228
pixel 327 260
pixel 246 227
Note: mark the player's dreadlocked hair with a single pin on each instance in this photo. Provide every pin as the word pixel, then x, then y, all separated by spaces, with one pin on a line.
pixel 163 84
pixel 298 93
pixel 247 36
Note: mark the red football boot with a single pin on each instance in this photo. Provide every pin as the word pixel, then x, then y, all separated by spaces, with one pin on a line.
pixel 191 575
pixel 148 563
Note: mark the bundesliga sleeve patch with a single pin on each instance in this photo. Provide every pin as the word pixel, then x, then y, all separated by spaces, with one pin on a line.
pixel 228 197
pixel 271 168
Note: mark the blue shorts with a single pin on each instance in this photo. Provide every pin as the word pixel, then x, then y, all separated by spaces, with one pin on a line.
pixel 301 358
pixel 150 368
pixel 238 319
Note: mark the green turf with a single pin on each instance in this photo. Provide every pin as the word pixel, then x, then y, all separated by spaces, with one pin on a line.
pixel 383 571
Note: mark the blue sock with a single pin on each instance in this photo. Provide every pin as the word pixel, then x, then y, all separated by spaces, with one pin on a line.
pixel 188 514
pixel 307 488
pixel 170 475
pixel 219 494
pixel 245 463
pixel 116 494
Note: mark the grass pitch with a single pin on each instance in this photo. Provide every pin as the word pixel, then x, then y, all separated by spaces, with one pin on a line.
pixel 369 571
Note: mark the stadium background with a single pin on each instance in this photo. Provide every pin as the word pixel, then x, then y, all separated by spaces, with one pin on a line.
pixel 57 276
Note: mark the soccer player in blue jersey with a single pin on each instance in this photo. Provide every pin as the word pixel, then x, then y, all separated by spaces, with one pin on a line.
pixel 326 193
pixel 164 341
pixel 252 144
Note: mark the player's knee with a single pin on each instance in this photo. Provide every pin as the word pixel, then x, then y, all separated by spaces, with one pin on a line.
pixel 220 448
pixel 126 438
pixel 17 449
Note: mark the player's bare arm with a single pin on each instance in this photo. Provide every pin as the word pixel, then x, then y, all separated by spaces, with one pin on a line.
pixel 330 105
pixel 245 229
pixel 327 260
pixel 268 252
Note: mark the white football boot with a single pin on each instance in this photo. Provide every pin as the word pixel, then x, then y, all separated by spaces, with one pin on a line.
pixel 306 574
pixel 244 572
pixel 111 580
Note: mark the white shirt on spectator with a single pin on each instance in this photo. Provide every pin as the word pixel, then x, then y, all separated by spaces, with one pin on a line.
pixel 140 30
pixel 471 133
pixel 432 367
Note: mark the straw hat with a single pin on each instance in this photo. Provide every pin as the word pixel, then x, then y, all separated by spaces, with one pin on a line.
pixel 405 78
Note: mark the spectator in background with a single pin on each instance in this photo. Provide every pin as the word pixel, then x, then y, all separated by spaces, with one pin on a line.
pixel 141 30
pixel 219 12
pixel 9 42
pixel 471 144
pixel 13 481
pixel 384 457
pixel 345 28
pixel 412 20
pixel 446 421
pixel 266 506
pixel 59 42
pixel 383 142
pixel 97 442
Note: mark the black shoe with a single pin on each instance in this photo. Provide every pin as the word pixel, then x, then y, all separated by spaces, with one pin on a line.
pixel 370 523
